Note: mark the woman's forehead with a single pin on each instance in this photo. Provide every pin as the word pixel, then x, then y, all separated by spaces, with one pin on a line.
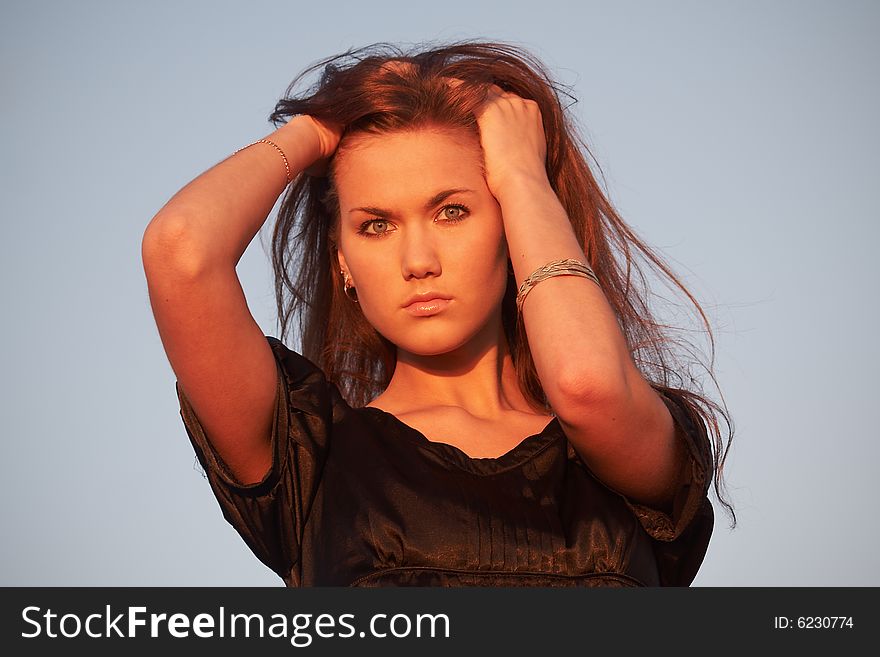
pixel 421 154
pixel 406 138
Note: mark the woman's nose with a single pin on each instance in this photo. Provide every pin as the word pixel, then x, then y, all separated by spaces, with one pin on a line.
pixel 419 257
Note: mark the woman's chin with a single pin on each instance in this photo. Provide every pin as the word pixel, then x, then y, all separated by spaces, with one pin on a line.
pixel 441 334
pixel 434 342
pixel 426 348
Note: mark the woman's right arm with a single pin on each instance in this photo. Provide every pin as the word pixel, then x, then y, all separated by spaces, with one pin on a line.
pixel 190 249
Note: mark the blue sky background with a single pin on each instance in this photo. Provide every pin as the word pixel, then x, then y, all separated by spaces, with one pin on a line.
pixel 738 138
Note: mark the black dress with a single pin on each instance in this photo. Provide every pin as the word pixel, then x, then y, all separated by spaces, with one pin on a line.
pixel 355 497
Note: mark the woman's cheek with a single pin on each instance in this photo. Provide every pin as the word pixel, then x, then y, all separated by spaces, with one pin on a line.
pixel 378 309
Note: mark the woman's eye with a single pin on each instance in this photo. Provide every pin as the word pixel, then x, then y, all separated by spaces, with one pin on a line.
pixel 454 213
pixel 380 228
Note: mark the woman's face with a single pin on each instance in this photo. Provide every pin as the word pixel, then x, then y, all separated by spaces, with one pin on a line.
pixel 404 230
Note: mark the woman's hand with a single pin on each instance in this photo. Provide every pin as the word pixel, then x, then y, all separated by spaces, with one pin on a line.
pixel 512 137
pixel 327 135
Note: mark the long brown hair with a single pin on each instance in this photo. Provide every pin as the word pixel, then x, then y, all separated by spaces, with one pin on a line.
pixel 381 89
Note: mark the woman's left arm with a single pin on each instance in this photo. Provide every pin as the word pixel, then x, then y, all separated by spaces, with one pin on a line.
pixel 613 417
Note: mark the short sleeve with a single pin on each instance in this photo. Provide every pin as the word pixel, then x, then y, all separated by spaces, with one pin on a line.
pixel 270 515
pixel 682 536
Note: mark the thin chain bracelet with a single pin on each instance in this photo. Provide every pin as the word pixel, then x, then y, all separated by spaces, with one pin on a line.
pixel 276 147
pixel 566 267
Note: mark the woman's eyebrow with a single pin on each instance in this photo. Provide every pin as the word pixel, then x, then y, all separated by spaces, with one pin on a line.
pixel 435 200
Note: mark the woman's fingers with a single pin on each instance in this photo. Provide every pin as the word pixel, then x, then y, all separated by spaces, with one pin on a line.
pixel 512 138
pixel 328 134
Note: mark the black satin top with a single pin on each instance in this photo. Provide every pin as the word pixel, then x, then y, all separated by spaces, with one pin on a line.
pixel 355 497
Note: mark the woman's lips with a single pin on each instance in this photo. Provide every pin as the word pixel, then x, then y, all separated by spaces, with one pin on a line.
pixel 426 307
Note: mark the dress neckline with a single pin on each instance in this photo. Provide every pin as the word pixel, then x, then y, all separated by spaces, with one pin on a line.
pixel 520 453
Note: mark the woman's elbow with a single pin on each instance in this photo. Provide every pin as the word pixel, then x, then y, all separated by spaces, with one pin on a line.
pixel 168 246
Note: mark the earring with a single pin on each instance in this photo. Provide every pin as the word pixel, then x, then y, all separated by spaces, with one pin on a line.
pixel 349 289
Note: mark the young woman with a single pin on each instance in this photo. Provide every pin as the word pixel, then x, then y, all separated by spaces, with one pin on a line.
pixel 466 407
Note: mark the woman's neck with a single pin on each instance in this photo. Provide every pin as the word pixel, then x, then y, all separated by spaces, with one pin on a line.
pixel 478 377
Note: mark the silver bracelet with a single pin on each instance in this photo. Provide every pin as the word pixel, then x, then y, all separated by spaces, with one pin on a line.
pixel 565 267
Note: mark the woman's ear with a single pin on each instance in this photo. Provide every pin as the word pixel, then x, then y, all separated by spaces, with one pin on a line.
pixel 343 266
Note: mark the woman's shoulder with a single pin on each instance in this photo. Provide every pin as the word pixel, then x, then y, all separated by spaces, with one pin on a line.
pixel 295 365
pixel 305 384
